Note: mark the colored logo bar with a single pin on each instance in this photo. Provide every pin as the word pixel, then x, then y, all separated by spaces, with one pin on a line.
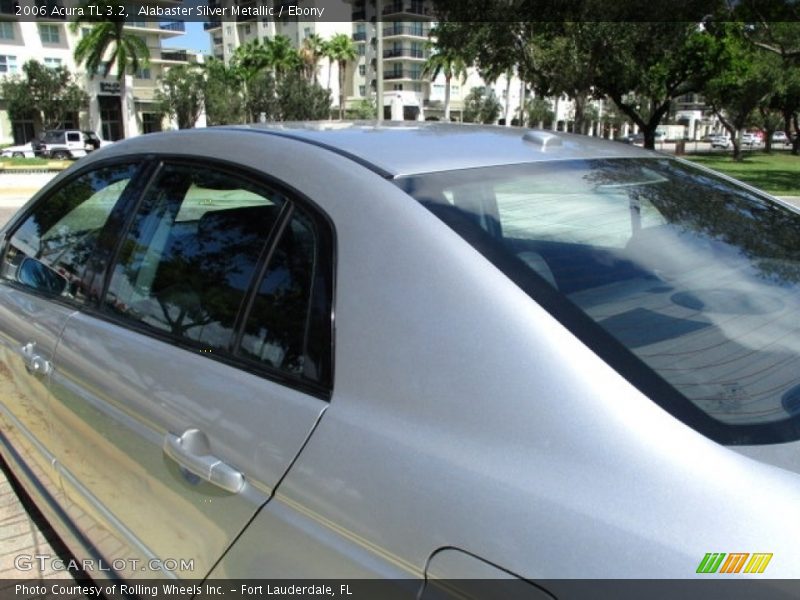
pixel 734 562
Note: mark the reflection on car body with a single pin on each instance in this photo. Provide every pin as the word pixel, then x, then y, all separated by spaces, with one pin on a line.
pixel 404 352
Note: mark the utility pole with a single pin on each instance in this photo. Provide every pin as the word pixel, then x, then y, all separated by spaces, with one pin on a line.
pixel 379 63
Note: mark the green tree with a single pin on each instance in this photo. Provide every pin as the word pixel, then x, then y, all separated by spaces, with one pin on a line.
pixel 50 95
pixel 645 67
pixel 540 110
pixel 774 28
pixel 590 48
pixel 364 109
pixel 311 51
pixel 743 85
pixel 126 52
pixel 282 57
pixel 181 94
pixel 301 100
pixel 450 64
pixel 481 107
pixel 261 100
pixel 250 62
pixel 250 59
pixel 341 49
pixel 223 93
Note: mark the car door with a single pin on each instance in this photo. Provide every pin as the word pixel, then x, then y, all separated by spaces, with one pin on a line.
pixel 181 402
pixel 52 258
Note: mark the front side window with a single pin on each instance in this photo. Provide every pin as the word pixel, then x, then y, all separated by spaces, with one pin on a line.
pixel 55 250
pixel 187 263
pixel 696 277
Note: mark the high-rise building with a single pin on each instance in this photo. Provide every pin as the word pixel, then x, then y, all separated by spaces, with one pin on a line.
pixel 405 26
pixel 238 29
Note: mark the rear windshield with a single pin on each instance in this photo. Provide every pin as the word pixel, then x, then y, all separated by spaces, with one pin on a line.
pixel 687 284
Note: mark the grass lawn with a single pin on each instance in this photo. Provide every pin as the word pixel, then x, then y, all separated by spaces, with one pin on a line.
pixel 22 162
pixel 777 173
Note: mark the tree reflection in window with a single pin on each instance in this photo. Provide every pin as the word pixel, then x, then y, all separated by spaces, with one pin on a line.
pixel 275 332
pixel 192 251
pixel 64 230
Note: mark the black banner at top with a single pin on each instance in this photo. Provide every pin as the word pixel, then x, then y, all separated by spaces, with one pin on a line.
pixel 213 12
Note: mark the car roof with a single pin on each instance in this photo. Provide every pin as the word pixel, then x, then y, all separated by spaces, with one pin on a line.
pixel 395 149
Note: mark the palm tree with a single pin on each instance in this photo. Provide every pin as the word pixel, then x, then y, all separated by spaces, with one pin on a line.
pixel 341 49
pixel 107 39
pixel 251 58
pixel 282 56
pixel 451 65
pixel 326 52
pixel 223 92
pixel 312 50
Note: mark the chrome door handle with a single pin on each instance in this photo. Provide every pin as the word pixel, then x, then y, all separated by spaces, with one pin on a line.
pixel 192 451
pixel 35 363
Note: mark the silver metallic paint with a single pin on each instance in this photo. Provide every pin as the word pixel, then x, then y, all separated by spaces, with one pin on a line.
pixel 463 415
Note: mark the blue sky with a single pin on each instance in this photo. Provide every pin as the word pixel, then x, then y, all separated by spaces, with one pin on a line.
pixel 194 39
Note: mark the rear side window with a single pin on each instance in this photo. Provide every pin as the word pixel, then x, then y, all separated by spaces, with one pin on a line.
pixel 275 330
pixel 233 269
pixel 191 255
pixel 55 250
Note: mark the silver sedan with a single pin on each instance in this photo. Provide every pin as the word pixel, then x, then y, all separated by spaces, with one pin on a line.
pixel 406 352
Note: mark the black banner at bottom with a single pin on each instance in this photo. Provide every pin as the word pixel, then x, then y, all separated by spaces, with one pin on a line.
pixel 361 589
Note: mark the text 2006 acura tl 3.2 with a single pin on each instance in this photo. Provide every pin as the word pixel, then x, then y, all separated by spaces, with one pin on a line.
pixel 404 352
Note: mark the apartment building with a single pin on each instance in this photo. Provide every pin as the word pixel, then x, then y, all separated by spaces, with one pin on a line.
pixel 52 43
pixel 236 30
pixel 405 26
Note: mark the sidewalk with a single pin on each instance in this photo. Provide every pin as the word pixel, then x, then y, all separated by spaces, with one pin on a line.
pixel 21 536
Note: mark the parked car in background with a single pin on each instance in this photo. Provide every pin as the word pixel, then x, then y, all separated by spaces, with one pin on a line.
pixel 632 138
pixel 21 151
pixel 750 139
pixel 780 137
pixel 720 141
pixel 67 143
pixel 416 352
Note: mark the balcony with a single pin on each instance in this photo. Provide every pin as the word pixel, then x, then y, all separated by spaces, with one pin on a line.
pixel 412 8
pixel 406 30
pixel 172 26
pixel 212 25
pixel 174 55
pixel 412 53
pixel 360 36
pixel 414 75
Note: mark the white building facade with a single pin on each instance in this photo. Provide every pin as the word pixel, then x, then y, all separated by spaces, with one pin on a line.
pixel 53 44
